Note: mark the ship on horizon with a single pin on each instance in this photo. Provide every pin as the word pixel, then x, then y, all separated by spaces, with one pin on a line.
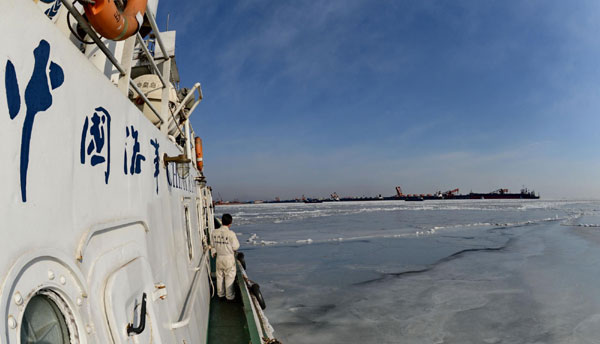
pixel 439 195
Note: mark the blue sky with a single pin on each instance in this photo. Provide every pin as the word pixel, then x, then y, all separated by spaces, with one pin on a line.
pixel 353 96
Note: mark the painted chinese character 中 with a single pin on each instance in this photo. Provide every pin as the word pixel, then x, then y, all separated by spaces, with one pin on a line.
pixel 132 163
pixel 156 160
pixel 38 98
pixel 95 140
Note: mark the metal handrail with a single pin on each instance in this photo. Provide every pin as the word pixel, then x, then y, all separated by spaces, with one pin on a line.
pixel 186 314
pixel 176 124
pixel 146 100
pixel 150 58
pixel 155 29
pixel 87 28
pixel 187 98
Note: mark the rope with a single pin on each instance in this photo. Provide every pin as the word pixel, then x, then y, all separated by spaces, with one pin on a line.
pixel 212 286
pixel 71 28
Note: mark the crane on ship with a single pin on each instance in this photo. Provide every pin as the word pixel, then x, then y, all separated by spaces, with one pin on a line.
pixel 399 192
pixel 450 193
pixel 334 196
pixel 500 191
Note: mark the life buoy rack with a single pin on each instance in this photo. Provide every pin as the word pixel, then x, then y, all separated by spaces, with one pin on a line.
pixel 199 161
pixel 112 23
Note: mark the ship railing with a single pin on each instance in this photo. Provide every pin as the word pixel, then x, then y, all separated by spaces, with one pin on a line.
pixel 197 88
pixel 161 45
pixel 150 57
pixel 125 81
pixel 123 74
pixel 186 313
pixel 124 71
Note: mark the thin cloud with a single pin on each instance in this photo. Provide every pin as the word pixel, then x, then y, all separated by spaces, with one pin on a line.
pixel 361 95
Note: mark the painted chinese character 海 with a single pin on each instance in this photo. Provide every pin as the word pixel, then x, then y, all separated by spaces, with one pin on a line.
pixel 95 140
pixel 132 164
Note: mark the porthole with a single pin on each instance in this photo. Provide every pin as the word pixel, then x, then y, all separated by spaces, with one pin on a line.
pixel 44 300
pixel 44 320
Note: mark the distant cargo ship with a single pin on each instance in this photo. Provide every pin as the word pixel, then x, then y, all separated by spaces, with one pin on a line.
pixel 453 194
pixel 414 199
pixel 400 196
pixel 504 194
pixel 448 195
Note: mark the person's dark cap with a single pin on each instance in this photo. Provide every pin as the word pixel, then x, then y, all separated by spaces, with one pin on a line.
pixel 226 219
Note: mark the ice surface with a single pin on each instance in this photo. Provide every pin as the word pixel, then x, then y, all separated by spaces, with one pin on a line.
pixel 439 272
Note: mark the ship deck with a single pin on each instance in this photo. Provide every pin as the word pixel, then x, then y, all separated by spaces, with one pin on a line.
pixel 227 322
pixel 231 322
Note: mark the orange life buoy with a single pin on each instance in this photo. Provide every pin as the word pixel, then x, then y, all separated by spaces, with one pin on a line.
pixel 111 23
pixel 199 161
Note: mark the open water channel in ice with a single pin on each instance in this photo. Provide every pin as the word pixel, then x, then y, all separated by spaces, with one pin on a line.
pixel 426 272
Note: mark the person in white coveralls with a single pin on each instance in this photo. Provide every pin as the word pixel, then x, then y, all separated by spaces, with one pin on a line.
pixel 224 244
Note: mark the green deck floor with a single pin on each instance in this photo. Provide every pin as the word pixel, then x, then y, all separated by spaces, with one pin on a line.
pixel 227 321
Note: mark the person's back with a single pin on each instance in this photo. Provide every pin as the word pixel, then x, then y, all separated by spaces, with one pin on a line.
pixel 224 244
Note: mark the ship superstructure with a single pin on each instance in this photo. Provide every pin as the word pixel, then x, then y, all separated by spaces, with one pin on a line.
pixel 106 212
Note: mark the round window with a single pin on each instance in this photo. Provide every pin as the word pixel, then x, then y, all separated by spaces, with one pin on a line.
pixel 43 322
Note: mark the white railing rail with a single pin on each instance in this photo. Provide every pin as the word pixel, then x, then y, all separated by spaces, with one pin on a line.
pixel 88 29
pixel 197 88
pixel 150 58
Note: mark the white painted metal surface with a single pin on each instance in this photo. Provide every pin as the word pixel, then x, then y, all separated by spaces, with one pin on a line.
pixel 89 210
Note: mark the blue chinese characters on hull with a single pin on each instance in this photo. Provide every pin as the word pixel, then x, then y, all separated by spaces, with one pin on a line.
pixel 38 98
pixel 97 144
pixel 135 166
pixel 156 161
pixel 53 10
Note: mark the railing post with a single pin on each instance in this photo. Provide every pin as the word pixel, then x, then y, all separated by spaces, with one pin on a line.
pixel 188 141
pixel 126 61
pixel 150 58
pixel 161 45
pixel 164 104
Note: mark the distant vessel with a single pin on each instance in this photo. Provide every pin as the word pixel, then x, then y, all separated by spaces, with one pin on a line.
pixel 504 194
pixel 439 195
pixel 414 199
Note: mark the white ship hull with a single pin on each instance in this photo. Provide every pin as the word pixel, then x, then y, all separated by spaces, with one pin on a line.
pixel 93 228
